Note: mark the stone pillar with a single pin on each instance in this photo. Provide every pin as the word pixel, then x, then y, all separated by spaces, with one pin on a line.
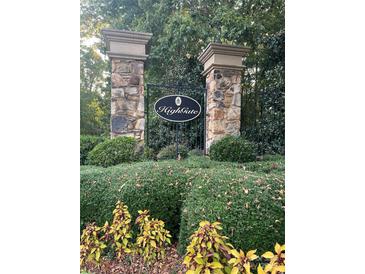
pixel 222 69
pixel 127 53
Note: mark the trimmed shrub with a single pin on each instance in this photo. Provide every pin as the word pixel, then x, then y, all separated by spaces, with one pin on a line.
pixel 232 149
pixel 87 143
pixel 158 186
pixel 114 151
pixel 249 205
pixel 169 152
pixel 196 152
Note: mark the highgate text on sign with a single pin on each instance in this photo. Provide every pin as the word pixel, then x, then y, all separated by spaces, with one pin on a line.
pixel 177 108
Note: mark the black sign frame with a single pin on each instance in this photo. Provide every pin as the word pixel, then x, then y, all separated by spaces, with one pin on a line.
pixel 175 96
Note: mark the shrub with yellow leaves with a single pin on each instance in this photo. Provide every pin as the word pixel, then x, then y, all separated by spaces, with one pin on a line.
pixel 208 251
pixel 277 261
pixel 153 237
pixel 91 247
pixel 241 263
pixel 119 232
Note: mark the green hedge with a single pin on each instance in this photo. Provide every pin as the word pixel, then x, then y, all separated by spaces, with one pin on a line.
pixel 87 143
pixel 159 187
pixel 232 149
pixel 250 206
pixel 113 152
pixel 182 193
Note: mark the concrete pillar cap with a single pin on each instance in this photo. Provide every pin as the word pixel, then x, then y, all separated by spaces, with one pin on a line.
pixel 222 56
pixel 126 44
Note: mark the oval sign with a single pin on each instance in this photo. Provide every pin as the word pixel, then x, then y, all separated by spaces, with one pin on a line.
pixel 177 108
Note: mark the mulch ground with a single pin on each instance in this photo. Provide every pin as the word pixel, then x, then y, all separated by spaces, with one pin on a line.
pixel 172 264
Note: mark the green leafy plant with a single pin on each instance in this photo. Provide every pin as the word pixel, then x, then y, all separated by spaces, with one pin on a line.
pixel 119 232
pixel 208 251
pixel 153 238
pixel 113 152
pixel 91 247
pixel 241 263
pixel 169 152
pixel 232 149
pixel 87 143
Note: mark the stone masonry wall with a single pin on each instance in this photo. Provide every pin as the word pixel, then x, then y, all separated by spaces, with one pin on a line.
pixel 127 98
pixel 223 104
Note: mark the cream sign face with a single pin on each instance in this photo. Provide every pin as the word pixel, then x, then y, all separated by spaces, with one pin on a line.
pixel 177 108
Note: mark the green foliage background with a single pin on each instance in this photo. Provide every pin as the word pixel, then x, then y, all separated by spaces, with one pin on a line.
pixel 181 29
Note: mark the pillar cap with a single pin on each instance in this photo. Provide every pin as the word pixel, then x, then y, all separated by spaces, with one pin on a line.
pixel 126 44
pixel 217 55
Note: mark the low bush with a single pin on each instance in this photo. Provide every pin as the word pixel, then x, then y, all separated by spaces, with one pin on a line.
pixel 118 234
pixel 249 205
pixel 91 247
pixel 196 152
pixel 169 152
pixel 87 143
pixel 152 239
pixel 159 186
pixel 114 151
pixel 208 250
pixel 232 149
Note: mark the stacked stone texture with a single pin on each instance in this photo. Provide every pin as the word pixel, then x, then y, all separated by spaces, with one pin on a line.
pixel 127 98
pixel 223 104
